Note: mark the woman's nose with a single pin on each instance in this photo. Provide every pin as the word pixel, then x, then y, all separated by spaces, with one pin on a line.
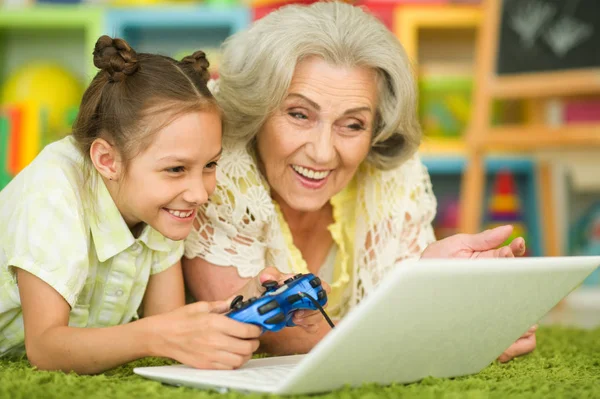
pixel 321 148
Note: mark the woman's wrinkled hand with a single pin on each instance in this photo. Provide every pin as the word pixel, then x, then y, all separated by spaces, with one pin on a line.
pixel 482 245
pixel 522 346
pixel 308 320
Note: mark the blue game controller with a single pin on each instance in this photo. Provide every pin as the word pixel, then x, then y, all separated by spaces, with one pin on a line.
pixel 275 308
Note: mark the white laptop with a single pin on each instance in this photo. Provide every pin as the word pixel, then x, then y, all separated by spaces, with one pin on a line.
pixel 440 318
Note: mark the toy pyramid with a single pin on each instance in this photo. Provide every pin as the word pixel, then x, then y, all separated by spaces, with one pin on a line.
pixel 504 206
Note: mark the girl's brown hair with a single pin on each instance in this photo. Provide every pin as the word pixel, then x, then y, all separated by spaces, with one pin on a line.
pixel 134 95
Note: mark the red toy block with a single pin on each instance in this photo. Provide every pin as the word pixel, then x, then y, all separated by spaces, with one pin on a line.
pixel 15 115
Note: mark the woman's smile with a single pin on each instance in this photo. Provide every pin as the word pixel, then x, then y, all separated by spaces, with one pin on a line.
pixel 311 178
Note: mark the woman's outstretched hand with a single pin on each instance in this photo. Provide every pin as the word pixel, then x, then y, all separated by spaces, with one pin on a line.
pixel 482 245
pixel 522 346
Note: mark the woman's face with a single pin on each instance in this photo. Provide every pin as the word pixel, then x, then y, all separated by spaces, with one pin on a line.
pixel 311 147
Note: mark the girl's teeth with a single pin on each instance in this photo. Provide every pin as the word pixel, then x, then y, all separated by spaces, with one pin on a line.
pixel 180 214
pixel 311 174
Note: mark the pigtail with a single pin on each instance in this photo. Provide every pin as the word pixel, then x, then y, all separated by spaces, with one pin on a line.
pixel 199 63
pixel 116 58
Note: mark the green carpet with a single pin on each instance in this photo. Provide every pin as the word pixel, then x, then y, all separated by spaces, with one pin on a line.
pixel 566 364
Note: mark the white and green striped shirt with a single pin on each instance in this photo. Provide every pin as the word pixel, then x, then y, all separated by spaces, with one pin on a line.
pixel 83 249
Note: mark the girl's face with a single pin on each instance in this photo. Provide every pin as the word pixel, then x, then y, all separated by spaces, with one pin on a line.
pixel 166 183
pixel 311 147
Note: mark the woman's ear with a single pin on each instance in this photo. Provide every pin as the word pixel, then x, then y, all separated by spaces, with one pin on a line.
pixel 106 159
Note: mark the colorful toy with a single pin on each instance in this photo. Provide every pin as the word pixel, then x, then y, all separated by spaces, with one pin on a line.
pixel 15 117
pixel 24 138
pixel 31 134
pixel 504 206
pixel 581 111
pixel 5 175
pixel 44 93
pixel 445 105
pixel 275 308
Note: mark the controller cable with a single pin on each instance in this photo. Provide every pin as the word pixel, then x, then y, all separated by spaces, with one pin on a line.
pixel 318 305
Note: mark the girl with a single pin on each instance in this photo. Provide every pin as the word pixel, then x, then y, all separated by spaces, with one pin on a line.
pixel 92 228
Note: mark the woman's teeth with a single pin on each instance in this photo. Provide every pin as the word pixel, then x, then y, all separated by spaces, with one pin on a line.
pixel 181 214
pixel 311 174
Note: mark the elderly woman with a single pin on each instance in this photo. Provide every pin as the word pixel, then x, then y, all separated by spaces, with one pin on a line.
pixel 319 171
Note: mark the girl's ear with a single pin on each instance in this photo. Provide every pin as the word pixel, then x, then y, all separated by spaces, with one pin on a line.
pixel 106 159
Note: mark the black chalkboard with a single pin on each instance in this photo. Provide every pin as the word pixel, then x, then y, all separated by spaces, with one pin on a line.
pixel 548 35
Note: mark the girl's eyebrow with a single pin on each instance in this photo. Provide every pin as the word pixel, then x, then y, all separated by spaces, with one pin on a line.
pixel 174 158
pixel 179 159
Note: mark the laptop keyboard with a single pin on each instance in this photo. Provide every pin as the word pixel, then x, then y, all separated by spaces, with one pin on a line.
pixel 266 375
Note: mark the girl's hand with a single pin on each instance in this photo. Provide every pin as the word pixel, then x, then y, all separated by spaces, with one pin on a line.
pixel 200 336
pixel 307 319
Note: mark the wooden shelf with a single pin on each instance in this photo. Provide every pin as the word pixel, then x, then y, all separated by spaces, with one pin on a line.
pixel 178 30
pixel 409 19
pixel 441 146
pixel 180 17
pixel 42 16
pixel 449 156
pixel 580 82
pixel 529 138
pixel 78 24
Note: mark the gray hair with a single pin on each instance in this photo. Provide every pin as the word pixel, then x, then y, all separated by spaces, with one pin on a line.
pixel 258 65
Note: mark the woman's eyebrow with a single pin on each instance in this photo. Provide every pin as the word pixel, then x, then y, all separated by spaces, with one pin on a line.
pixel 308 100
pixel 318 108
pixel 357 109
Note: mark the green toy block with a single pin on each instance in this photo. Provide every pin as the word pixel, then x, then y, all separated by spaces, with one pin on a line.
pixel 5 176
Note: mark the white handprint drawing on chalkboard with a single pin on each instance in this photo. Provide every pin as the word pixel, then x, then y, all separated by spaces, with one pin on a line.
pixel 529 19
pixel 566 34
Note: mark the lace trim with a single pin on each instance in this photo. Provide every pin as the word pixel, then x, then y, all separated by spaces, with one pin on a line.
pixel 381 219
